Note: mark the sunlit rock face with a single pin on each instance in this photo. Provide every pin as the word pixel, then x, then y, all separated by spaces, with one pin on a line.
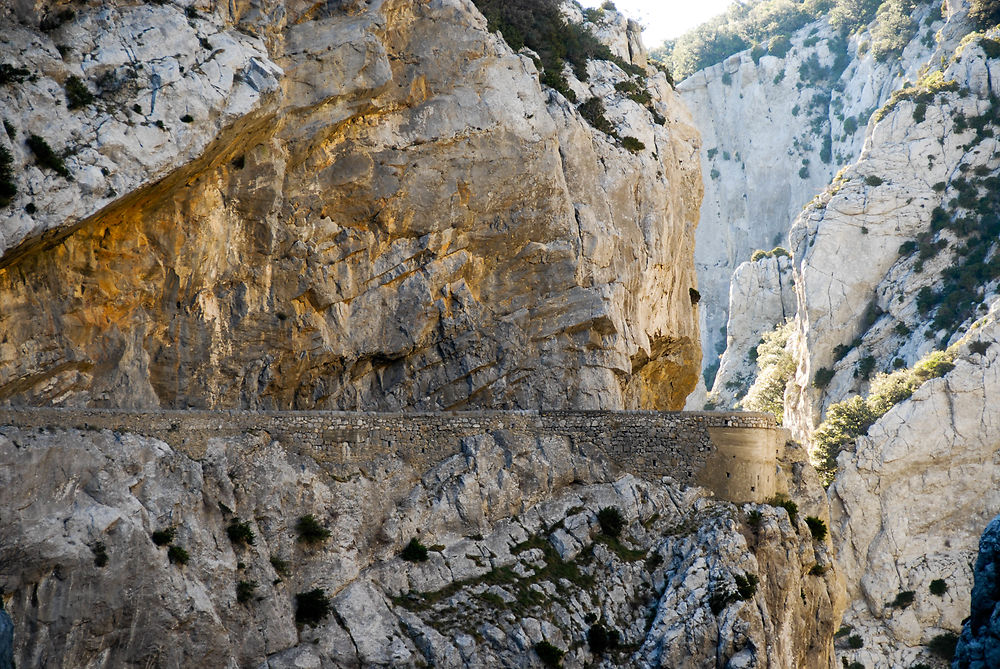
pixel 367 205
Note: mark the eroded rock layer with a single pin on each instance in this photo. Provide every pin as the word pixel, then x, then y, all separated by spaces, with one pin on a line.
pixel 395 214
pixel 132 551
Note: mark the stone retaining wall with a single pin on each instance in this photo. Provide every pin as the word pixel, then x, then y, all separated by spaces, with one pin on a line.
pixel 648 444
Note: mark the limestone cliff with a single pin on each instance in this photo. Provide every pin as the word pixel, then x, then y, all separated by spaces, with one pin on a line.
pixel 896 260
pixel 776 127
pixel 345 205
pixel 132 551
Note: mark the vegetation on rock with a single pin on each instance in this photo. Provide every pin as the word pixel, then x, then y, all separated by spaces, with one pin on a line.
pixel 776 367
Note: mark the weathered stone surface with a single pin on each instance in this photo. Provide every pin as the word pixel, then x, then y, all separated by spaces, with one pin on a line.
pixel 774 133
pixel 761 297
pixel 493 585
pixel 399 216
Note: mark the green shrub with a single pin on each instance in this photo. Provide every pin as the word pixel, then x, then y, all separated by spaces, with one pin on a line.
pixel 746 585
pixel 823 377
pixel 754 518
pixel 873 180
pixel 593 112
pixel 601 639
pixel 8 184
pixel 540 25
pixel 45 156
pixel 779 46
pixel 311 531
pixel 414 551
pixel 245 590
pixel 164 537
pixel 943 645
pixel 239 532
pixel 632 144
pixel 788 505
pixel 100 552
pixel 311 607
pixel 281 567
pixel 816 527
pixel 865 367
pixel 551 656
pixel 187 118
pixel 847 420
pixel 854 641
pixel 612 521
pixel 727 79
pixel 938 587
pixel 77 93
pixel 776 366
pixel 817 570
pixel 903 599
pixel 178 555
pixel 12 74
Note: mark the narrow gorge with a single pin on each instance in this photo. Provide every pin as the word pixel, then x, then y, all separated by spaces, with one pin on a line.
pixel 356 333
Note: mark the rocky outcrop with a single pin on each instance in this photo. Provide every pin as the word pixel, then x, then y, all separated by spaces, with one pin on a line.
pixel 761 297
pixel 516 557
pixel 367 205
pixel 908 505
pixel 776 128
pixel 979 646
pixel 883 261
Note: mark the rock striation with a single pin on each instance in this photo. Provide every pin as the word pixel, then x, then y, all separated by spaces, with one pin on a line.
pixel 348 206
pixel 776 128
pixel 517 557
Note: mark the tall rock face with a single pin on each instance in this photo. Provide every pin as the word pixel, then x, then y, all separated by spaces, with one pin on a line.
pixel 354 206
pixel 517 558
pixel 896 283
pixel 776 127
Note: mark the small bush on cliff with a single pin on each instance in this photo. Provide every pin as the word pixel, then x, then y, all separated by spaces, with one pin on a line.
pixel 540 26
pixel 164 537
pixel 845 421
pixel 311 607
pixel 551 656
pixel 311 531
pixel 903 599
pixel 601 639
pixel 593 111
pixel 788 505
pixel 45 156
pixel 746 585
pixel 239 532
pixel 633 144
pixel 281 567
pixel 854 641
pixel 100 552
pixel 938 587
pixel 178 555
pixel 612 521
pixel 986 13
pixel 245 590
pixel 816 527
pixel 775 366
pixel 943 645
pixel 414 551
pixel 77 93
pixel 8 184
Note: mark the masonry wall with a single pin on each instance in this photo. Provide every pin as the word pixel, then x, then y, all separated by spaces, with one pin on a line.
pixel 648 444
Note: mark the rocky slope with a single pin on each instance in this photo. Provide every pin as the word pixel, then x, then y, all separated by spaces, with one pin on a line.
pixel 354 205
pixel 517 557
pixel 892 262
pixel 776 126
